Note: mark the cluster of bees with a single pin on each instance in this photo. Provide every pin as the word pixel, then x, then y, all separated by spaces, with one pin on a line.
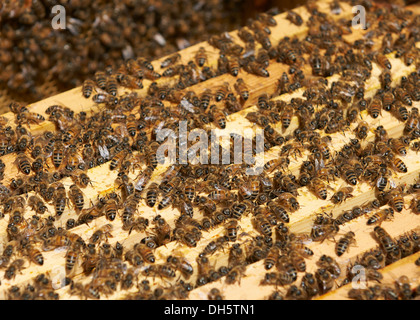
pixel 123 132
pixel 97 34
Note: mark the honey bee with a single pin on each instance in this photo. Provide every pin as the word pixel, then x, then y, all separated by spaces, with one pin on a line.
pixel 14 267
pixel 398 165
pixel 342 194
pixel 242 89
pixel 383 61
pixel 77 198
pixel 319 188
pixel 294 18
pixel 403 96
pixel 344 243
pixel 362 130
pixel 36 204
pixel 170 60
pixel 387 243
pixel 162 230
pixel 109 100
pixel 233 66
pixel 395 198
pixel 100 79
pixel 112 85
pixel 272 258
pixel 256 69
pixel 222 91
pixel 22 161
pixel 374 108
pixel 87 88
pixel 218 116
pixel 104 232
pixel 286 116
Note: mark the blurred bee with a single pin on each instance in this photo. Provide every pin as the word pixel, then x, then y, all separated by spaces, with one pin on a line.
pixel 215 294
pixel 162 230
pixel 272 258
pixel 100 79
pixel 294 18
pixel 14 267
pixel 383 61
pixel 109 100
pixel 170 60
pixel 286 117
pixel 112 85
pixel 256 69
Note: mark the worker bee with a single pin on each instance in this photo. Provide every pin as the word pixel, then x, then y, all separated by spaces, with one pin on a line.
pixel 403 96
pixel 14 267
pixel 111 85
pixel 222 91
pixel 87 88
pixel 242 89
pixel 395 198
pixel 36 204
pixel 294 18
pixel 272 258
pixel 104 232
pixel 383 61
pixel 342 194
pixel 344 243
pixel 170 60
pixel 257 69
pixel 319 188
pixel 387 243
pixel 100 79
pixel 109 100
pixel 398 165
pixel 286 116
pixel 232 230
pixel 77 198
pixel 374 108
pixel 362 130
pixel 22 161
pixel 233 66
pixel 380 216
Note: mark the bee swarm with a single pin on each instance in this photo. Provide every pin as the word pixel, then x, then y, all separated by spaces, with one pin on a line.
pixel 90 212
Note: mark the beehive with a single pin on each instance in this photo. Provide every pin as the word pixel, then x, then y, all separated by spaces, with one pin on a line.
pixel 107 278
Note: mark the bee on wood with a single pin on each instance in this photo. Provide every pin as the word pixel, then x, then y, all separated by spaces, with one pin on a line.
pixel 242 89
pixel 14 267
pixel 344 243
pixel 77 198
pixel 170 60
pixel 380 216
pixel 342 194
pixel 294 18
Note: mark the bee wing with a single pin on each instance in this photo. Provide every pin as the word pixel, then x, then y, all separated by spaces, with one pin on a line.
pixel 104 152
